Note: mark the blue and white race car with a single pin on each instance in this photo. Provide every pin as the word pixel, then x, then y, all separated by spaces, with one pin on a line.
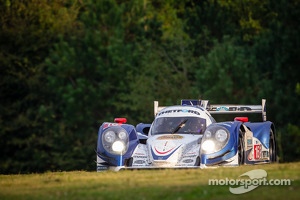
pixel 187 136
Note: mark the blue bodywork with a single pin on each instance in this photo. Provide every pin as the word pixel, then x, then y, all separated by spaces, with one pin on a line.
pixel 230 148
pixel 113 159
pixel 225 152
pixel 261 131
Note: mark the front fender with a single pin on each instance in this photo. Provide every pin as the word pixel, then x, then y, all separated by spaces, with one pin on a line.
pixel 113 159
pixel 261 131
pixel 229 150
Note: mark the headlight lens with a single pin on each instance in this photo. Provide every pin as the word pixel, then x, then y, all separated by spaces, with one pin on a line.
pixel 208 146
pixel 208 134
pixel 109 136
pixel 115 140
pixel 215 139
pixel 221 135
pixel 122 135
pixel 118 146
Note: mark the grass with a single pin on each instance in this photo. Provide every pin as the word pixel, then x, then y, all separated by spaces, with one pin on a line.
pixel 147 184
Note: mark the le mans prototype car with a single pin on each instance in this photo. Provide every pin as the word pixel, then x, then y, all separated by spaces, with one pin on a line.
pixel 187 136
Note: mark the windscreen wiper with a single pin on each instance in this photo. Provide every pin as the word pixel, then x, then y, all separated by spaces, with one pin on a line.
pixel 179 126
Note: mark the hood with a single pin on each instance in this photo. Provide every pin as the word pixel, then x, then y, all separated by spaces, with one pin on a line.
pixel 169 148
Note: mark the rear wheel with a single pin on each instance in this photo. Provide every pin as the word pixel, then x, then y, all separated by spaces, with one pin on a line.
pixel 241 148
pixel 272 147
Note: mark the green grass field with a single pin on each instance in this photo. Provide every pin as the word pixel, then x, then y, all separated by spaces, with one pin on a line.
pixel 148 184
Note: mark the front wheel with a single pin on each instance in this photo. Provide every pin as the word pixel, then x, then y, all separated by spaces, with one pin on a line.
pixel 128 162
pixel 197 163
pixel 241 149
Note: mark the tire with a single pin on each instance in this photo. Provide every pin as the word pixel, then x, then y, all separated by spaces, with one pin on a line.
pixel 241 149
pixel 128 162
pixel 272 147
pixel 197 163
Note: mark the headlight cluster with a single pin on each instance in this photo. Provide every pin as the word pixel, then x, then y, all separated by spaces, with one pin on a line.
pixel 115 140
pixel 214 139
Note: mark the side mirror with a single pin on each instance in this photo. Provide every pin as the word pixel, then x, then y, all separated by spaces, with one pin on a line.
pixel 141 136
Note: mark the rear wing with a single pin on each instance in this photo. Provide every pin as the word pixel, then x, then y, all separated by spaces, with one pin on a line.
pixel 221 108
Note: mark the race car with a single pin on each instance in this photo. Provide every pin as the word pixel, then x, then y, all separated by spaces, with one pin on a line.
pixel 188 136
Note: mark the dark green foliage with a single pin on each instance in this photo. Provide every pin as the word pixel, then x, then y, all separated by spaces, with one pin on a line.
pixel 68 66
pixel 228 74
pixel 28 30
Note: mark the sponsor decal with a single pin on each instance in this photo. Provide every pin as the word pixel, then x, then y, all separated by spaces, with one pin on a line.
pixel 248 139
pixel 106 125
pixel 231 108
pixel 249 142
pixel 222 108
pixel 265 154
pixel 139 162
pixel 179 110
pixel 257 151
pixel 170 137
pixel 102 168
pixel 163 152
pixel 138 153
pixel 188 161
pixel 140 157
pixel 162 155
pixel 192 156
pixel 161 164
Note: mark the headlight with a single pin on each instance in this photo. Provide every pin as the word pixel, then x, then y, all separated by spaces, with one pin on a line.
pixel 221 135
pixel 208 134
pixel 115 140
pixel 215 139
pixel 208 146
pixel 118 146
pixel 109 136
pixel 122 135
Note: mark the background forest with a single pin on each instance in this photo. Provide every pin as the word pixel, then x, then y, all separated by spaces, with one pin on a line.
pixel 67 66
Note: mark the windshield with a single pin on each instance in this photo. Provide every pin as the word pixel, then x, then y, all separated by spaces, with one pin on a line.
pixel 182 125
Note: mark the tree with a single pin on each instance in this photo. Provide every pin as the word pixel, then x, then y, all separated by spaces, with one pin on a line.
pixel 227 74
pixel 165 74
pixel 86 74
pixel 60 79
pixel 27 30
